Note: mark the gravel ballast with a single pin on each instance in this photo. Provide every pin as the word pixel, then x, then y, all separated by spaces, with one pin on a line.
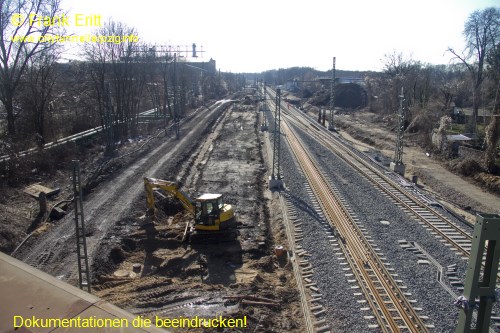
pixel 396 237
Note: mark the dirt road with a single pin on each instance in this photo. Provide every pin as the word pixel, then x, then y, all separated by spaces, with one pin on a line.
pixel 368 136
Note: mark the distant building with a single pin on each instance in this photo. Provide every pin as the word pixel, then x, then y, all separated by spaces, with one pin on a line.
pixel 356 80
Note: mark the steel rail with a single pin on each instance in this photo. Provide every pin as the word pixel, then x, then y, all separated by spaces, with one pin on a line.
pixel 400 196
pixel 406 199
pixel 296 271
pixel 366 259
pixel 371 173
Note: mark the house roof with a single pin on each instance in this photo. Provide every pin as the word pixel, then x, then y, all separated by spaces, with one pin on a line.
pixel 458 137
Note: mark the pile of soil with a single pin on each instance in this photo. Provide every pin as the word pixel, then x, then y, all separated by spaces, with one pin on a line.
pixel 465 167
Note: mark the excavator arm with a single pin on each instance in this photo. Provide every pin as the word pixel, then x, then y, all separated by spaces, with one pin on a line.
pixel 152 184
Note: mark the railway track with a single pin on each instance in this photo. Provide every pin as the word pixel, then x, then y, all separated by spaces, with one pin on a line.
pixel 78 136
pixel 403 194
pixel 390 307
pixel 410 200
pixel 455 235
pixel 52 251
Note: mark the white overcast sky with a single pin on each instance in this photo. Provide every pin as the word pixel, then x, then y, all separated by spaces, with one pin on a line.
pixel 257 35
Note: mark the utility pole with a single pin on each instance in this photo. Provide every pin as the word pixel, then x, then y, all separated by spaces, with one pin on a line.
pixel 479 288
pixel 397 164
pixel 176 100
pixel 275 181
pixel 332 98
pixel 264 126
pixel 81 243
pixel 165 92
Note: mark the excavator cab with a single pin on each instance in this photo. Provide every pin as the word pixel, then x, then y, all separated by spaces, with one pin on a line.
pixel 211 213
pixel 208 208
pixel 213 219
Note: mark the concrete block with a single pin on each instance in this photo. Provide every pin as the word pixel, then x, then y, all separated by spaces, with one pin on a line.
pixel 398 168
pixel 275 184
pixel 56 213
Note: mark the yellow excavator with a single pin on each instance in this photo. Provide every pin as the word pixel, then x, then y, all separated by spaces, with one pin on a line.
pixel 213 219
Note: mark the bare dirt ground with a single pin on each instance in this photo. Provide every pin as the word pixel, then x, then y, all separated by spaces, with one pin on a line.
pixel 220 151
pixel 171 281
pixel 456 191
pixel 150 272
pixel 109 204
pixel 19 212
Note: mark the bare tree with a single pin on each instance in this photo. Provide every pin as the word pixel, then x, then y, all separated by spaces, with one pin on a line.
pixel 492 132
pixel 95 54
pixel 119 65
pixel 481 32
pixel 21 24
pixel 396 64
pixel 159 68
pixel 398 69
pixel 451 84
pixel 40 78
pixel 165 78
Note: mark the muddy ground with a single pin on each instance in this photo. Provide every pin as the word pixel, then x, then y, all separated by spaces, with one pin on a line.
pixel 177 279
pixel 222 153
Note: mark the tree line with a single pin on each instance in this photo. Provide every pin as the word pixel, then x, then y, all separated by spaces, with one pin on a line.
pixel 470 80
pixel 45 97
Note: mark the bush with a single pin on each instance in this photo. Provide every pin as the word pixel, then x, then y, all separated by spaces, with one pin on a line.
pixel 467 167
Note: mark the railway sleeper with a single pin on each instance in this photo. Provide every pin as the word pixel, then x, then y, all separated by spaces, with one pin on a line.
pixel 323 329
